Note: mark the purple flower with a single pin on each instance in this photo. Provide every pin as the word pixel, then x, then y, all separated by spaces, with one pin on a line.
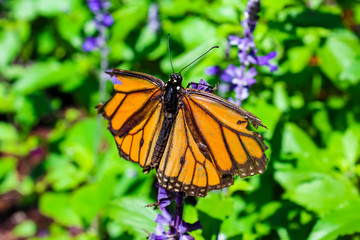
pixel 241 43
pixel 90 44
pixel 214 70
pixel 234 75
pixel 115 80
pixel 107 20
pixel 37 152
pixel 202 85
pixel 264 60
pixel 251 15
pixel 178 229
pixel 94 5
pixel 241 81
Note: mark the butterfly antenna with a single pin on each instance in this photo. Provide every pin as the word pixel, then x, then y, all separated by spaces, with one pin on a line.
pixel 169 52
pixel 199 57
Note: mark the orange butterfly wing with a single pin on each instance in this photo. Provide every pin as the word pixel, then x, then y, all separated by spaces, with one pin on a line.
pixel 135 114
pixel 209 144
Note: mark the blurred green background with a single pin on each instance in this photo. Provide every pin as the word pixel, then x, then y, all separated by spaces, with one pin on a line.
pixel 60 173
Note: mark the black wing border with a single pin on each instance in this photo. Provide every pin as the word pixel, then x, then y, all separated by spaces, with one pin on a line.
pixel 154 80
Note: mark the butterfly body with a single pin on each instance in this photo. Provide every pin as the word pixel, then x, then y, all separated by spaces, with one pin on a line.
pixel 170 102
pixel 194 139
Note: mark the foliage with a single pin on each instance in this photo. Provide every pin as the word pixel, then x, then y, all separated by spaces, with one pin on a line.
pixel 60 173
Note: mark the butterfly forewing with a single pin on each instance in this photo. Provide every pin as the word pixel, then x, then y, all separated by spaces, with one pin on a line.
pixel 221 126
pixel 135 114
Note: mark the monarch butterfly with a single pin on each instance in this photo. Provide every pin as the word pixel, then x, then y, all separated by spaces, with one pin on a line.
pixel 194 139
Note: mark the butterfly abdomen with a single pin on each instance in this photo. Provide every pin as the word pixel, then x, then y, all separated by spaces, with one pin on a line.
pixel 162 139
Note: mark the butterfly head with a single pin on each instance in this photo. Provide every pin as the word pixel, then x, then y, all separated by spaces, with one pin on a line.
pixel 175 78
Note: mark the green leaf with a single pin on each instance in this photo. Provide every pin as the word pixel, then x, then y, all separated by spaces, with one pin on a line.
pixel 147 37
pixel 131 214
pixel 9 46
pixel 299 58
pixel 26 112
pixel 322 122
pixel 338 54
pixel 46 42
pixel 296 140
pixel 239 222
pixel 65 176
pixel 79 143
pixel 350 143
pixel 24 9
pixel 84 206
pixel 317 191
pixel 329 63
pixel 223 205
pixel 71 25
pixel 223 14
pixel 50 8
pixel 195 31
pixel 7 164
pixel 8 174
pixel 281 99
pixel 58 207
pixel 269 209
pixel 8 133
pixel 351 74
pixel 137 12
pixel 7 98
pixel 100 193
pixel 44 74
pixel 314 4
pixel 26 186
pixel 25 229
pixel 240 185
pixel 342 221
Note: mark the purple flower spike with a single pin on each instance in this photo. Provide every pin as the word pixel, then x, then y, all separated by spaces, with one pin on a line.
pixel 178 229
pixel 153 21
pixel 240 78
pixel 102 20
